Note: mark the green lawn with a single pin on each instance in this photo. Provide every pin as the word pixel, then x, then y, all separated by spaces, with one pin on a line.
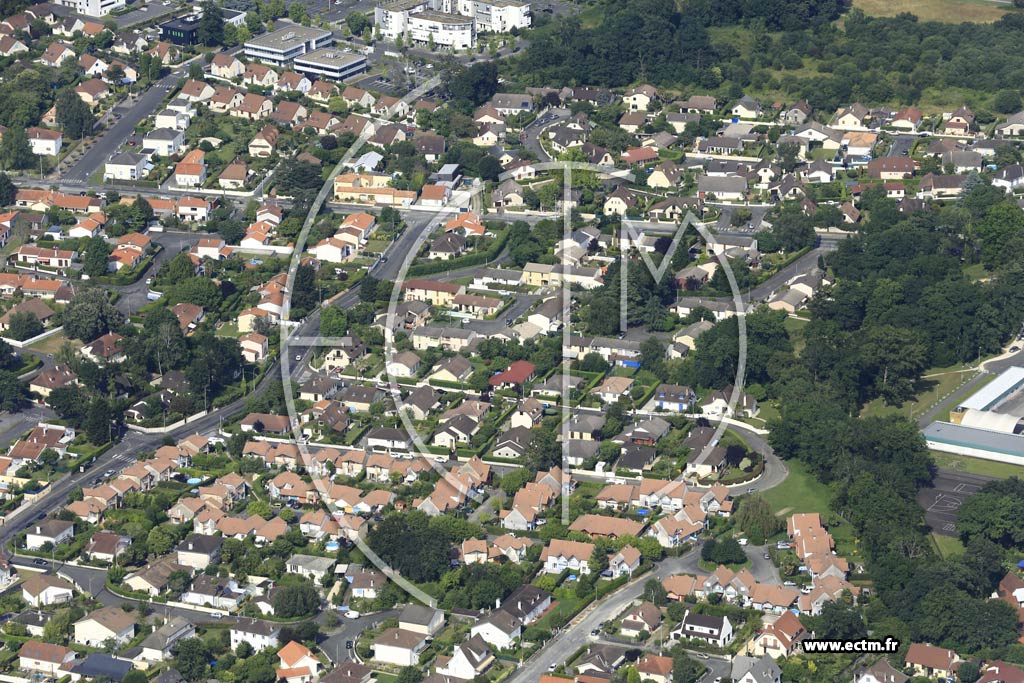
pixel 51 344
pixel 951 11
pixel 795 329
pixel 934 389
pixel 947 546
pixel 228 330
pixel 977 272
pixel 800 492
pixel 987 468
pixel 566 607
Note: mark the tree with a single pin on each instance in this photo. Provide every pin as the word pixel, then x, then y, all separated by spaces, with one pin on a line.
pixel 726 551
pixel 211 24
pixel 8 191
pixel 655 592
pixel 299 600
pixel 1007 102
pixel 995 513
pixel 90 315
pixel 201 291
pixel 895 357
pixel 304 292
pixel 115 74
pixel 191 659
pixel 244 650
pixel 968 672
pixel 357 23
pixel 98 422
pixel 839 622
pixel 408 543
pixel 15 150
pixel 684 669
pixel 13 394
pixel 135 676
pixel 472 86
pixel 544 452
pixel 74 116
pixel 297 13
pixel 23 325
pixel 489 168
pixel 159 541
pixel 96 259
pixel 410 674
pixel 756 518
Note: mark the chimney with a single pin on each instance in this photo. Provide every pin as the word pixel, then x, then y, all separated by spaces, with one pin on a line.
pixel 519 605
pixel 39 529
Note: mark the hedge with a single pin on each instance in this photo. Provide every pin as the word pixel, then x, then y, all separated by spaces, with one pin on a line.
pixel 478 259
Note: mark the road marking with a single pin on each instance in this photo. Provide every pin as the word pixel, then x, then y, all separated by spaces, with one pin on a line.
pixel 944 503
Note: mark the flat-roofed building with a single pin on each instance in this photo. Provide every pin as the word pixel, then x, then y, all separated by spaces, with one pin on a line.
pixel 285 44
pixel 331 63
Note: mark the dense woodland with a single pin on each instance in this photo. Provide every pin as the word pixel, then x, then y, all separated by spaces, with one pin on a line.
pixel 902 303
pixel 873 59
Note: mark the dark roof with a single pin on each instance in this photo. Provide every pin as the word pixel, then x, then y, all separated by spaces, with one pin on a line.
pixel 417 614
pixel 99 664
pixel 169 676
pixel 704 621
pixel 198 543
pixel 256 627
pixel 523 600
pixel 636 457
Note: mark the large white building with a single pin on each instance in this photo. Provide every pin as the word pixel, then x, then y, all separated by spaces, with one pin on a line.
pixel 285 44
pixel 449 23
pixel 496 16
pixel 330 63
pixel 93 8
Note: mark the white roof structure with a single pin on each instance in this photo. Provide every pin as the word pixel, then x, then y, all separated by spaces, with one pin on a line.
pixel 985 419
pixel 996 391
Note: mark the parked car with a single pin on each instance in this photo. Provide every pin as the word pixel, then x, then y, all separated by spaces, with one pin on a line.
pixel 351 614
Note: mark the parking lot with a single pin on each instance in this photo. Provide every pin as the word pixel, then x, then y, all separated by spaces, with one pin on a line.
pixel 149 12
pixel 942 501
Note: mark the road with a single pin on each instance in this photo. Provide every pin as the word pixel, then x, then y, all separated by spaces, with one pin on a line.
pixel 14 425
pixel 144 105
pixel 133 296
pixel 93 581
pixel 334 645
pixel 724 223
pixel 533 131
pixel 576 634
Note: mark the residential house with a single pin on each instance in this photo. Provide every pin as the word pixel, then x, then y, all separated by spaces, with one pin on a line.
pixel 931 661
pixel 40 590
pixel 103 625
pixel 717 631
pixel 44 659
pixel 399 647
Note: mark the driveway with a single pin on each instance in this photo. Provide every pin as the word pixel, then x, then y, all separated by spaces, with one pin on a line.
pixel 532 132
pixel 334 645
pixel 901 145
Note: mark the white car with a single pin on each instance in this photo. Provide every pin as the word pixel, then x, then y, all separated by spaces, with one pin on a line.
pixel 351 614
pixel 742 541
